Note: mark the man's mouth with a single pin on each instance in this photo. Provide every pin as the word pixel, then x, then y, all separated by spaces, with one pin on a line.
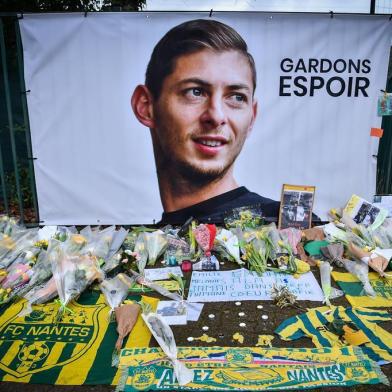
pixel 210 145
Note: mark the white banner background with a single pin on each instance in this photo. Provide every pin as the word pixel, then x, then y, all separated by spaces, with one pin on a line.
pixel 95 161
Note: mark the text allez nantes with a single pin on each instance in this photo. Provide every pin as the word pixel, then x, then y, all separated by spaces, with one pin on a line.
pixel 339 77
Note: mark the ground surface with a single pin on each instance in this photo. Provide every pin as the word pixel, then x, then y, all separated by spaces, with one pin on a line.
pixel 222 327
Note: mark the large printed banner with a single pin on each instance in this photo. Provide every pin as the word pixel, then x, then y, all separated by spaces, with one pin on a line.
pixel 318 80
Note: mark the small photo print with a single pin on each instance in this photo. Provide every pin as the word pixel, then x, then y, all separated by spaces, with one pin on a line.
pixel 174 312
pixel 365 213
pixel 296 206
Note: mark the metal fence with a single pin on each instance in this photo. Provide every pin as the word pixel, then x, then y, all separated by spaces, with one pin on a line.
pixel 18 194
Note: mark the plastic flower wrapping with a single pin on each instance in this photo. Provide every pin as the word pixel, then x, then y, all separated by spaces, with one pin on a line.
pixel 257 253
pixel 141 253
pixel 375 259
pixel 205 237
pixel 178 248
pixel 227 245
pixel 156 243
pixel 18 275
pixel 165 338
pixel 22 244
pixel 292 237
pixel 114 257
pixel 115 290
pixel 361 271
pixel 98 242
pixel 72 274
pixel 325 275
pixel 275 240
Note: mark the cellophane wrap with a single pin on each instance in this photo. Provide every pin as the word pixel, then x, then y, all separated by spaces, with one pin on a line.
pixel 165 338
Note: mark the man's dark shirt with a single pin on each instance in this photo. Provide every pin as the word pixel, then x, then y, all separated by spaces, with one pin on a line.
pixel 213 210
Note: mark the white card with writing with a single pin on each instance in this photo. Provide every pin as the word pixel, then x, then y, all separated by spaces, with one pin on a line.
pixel 244 285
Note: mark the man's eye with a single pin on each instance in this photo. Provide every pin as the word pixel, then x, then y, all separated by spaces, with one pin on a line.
pixel 197 92
pixel 193 92
pixel 238 99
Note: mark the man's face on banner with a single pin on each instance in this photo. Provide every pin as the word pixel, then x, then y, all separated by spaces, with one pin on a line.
pixel 204 113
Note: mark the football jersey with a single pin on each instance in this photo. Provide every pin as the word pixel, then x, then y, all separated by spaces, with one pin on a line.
pixel 326 327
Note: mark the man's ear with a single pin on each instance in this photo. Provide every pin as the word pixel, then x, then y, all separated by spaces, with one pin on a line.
pixel 142 105
pixel 254 114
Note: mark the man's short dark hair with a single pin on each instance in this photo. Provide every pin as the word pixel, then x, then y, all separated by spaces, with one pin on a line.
pixel 191 37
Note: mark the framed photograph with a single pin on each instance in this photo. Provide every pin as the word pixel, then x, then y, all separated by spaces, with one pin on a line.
pixel 296 206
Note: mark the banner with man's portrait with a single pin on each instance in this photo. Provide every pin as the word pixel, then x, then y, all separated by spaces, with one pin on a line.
pixel 318 79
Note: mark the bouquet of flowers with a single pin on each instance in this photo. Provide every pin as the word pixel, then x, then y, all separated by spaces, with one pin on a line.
pixel 10 226
pixel 178 248
pixel 115 290
pixel 17 275
pixel 14 248
pixel 292 237
pixel 334 253
pixel 257 253
pixel 156 243
pixel 75 243
pixel 140 253
pixel 117 240
pixel 205 237
pixel 274 238
pixel 98 242
pixel 72 274
pixel 63 233
pixel 39 294
pixel 165 338
pixel 361 271
pixel 244 217
pixel 227 245
pixel 325 275
pixel 373 259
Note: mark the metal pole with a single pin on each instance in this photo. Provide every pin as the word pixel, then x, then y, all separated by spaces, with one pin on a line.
pixel 372 7
pixel 10 120
pixel 3 185
pixel 26 121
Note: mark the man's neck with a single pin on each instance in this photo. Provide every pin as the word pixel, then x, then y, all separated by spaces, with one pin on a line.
pixel 182 194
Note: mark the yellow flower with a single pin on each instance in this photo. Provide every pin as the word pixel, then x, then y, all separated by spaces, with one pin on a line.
pixel 302 266
pixel 78 239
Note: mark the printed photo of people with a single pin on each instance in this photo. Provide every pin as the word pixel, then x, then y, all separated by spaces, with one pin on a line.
pixel 296 207
pixel 366 214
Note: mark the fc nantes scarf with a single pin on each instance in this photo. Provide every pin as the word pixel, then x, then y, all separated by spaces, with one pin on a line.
pixel 248 369
pixel 78 350
pixel 353 289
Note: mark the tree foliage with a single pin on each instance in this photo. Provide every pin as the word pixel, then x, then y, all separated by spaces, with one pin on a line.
pixel 70 5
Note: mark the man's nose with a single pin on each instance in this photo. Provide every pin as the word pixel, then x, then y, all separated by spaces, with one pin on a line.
pixel 214 115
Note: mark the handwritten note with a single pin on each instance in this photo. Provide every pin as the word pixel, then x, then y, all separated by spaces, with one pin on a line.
pixel 243 285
